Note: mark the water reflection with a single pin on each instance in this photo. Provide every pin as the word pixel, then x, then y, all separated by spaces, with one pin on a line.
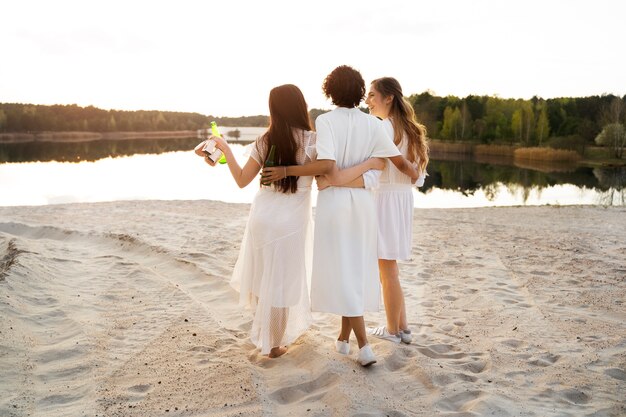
pixel 77 151
pixel 90 150
pixel 469 176
pixel 182 175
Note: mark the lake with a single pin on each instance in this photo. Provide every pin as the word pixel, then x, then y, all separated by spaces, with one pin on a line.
pixel 32 174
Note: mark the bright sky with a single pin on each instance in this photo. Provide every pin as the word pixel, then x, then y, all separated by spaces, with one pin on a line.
pixel 223 57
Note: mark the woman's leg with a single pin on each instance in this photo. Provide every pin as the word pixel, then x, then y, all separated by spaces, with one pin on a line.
pixel 358 326
pixel 392 295
pixel 403 324
pixel 278 324
pixel 346 329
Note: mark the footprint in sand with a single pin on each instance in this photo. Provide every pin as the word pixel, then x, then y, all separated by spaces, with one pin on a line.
pixel 616 373
pixel 315 388
pixel 140 389
pixel 399 359
pixel 442 351
pixel 545 360
pixel 203 349
pixel 514 343
pixel 464 401
pixel 575 396
pixel 476 366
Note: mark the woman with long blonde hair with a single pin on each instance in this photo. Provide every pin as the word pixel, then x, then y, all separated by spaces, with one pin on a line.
pixel 394 200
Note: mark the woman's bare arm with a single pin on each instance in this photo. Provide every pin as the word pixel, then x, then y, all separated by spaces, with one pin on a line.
pixel 405 166
pixel 242 176
pixel 321 167
pixel 345 177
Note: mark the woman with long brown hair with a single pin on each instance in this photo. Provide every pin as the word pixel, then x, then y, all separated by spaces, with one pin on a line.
pixel 274 261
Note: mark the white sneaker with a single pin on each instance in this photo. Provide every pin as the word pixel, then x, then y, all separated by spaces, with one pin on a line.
pixel 382 333
pixel 366 356
pixel 342 346
pixel 406 337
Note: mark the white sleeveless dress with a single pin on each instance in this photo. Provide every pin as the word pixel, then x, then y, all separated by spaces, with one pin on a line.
pixel 272 273
pixel 345 279
pixel 394 206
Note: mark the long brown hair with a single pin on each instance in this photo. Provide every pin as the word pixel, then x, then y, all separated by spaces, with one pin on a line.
pixel 403 120
pixel 288 111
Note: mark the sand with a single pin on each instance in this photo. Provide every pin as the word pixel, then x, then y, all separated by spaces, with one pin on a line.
pixel 124 309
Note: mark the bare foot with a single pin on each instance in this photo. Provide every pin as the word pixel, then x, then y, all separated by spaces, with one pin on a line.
pixel 277 351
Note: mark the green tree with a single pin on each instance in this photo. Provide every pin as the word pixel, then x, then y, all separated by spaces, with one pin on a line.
pixel 542 127
pixel 427 111
pixel 613 135
pixel 517 124
pixel 528 117
pixel 3 120
pixel 466 120
pixel 451 127
pixel 160 122
pixel 112 125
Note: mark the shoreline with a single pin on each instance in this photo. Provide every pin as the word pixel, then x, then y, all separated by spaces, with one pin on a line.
pixel 440 148
pixel 78 137
pixel 124 309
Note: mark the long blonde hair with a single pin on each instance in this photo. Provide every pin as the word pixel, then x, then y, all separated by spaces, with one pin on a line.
pixel 403 120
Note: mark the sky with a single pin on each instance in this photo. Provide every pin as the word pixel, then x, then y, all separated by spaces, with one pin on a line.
pixel 221 58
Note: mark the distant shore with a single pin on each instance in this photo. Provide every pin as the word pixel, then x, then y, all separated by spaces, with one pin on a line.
pixel 91 136
pixel 76 137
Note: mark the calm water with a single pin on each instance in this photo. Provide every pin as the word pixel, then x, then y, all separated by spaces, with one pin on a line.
pixel 168 170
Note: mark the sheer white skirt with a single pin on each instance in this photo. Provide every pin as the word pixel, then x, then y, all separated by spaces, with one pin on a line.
pixel 272 273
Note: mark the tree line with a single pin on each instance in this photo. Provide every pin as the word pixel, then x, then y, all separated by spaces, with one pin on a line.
pixel 20 118
pixel 568 122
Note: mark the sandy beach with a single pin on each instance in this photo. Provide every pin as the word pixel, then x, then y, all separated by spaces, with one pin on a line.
pixel 124 309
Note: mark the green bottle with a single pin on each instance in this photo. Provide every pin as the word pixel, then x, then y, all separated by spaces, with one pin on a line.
pixel 269 162
pixel 216 132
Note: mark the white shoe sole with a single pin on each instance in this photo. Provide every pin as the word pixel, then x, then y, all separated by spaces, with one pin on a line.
pixel 367 363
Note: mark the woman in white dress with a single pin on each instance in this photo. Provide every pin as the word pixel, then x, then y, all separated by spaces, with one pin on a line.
pixel 345 279
pixel 274 262
pixel 394 200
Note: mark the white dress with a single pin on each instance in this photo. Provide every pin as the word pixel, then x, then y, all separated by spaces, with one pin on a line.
pixel 394 204
pixel 274 265
pixel 345 279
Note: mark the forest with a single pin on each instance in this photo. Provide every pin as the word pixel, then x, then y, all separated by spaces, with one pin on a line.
pixel 563 123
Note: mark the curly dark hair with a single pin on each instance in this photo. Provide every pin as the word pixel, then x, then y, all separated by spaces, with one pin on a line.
pixel 344 86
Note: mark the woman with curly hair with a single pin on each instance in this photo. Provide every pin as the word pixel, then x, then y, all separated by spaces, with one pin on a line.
pixel 344 278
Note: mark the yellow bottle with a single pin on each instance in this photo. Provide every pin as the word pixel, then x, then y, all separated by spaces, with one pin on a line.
pixel 216 132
